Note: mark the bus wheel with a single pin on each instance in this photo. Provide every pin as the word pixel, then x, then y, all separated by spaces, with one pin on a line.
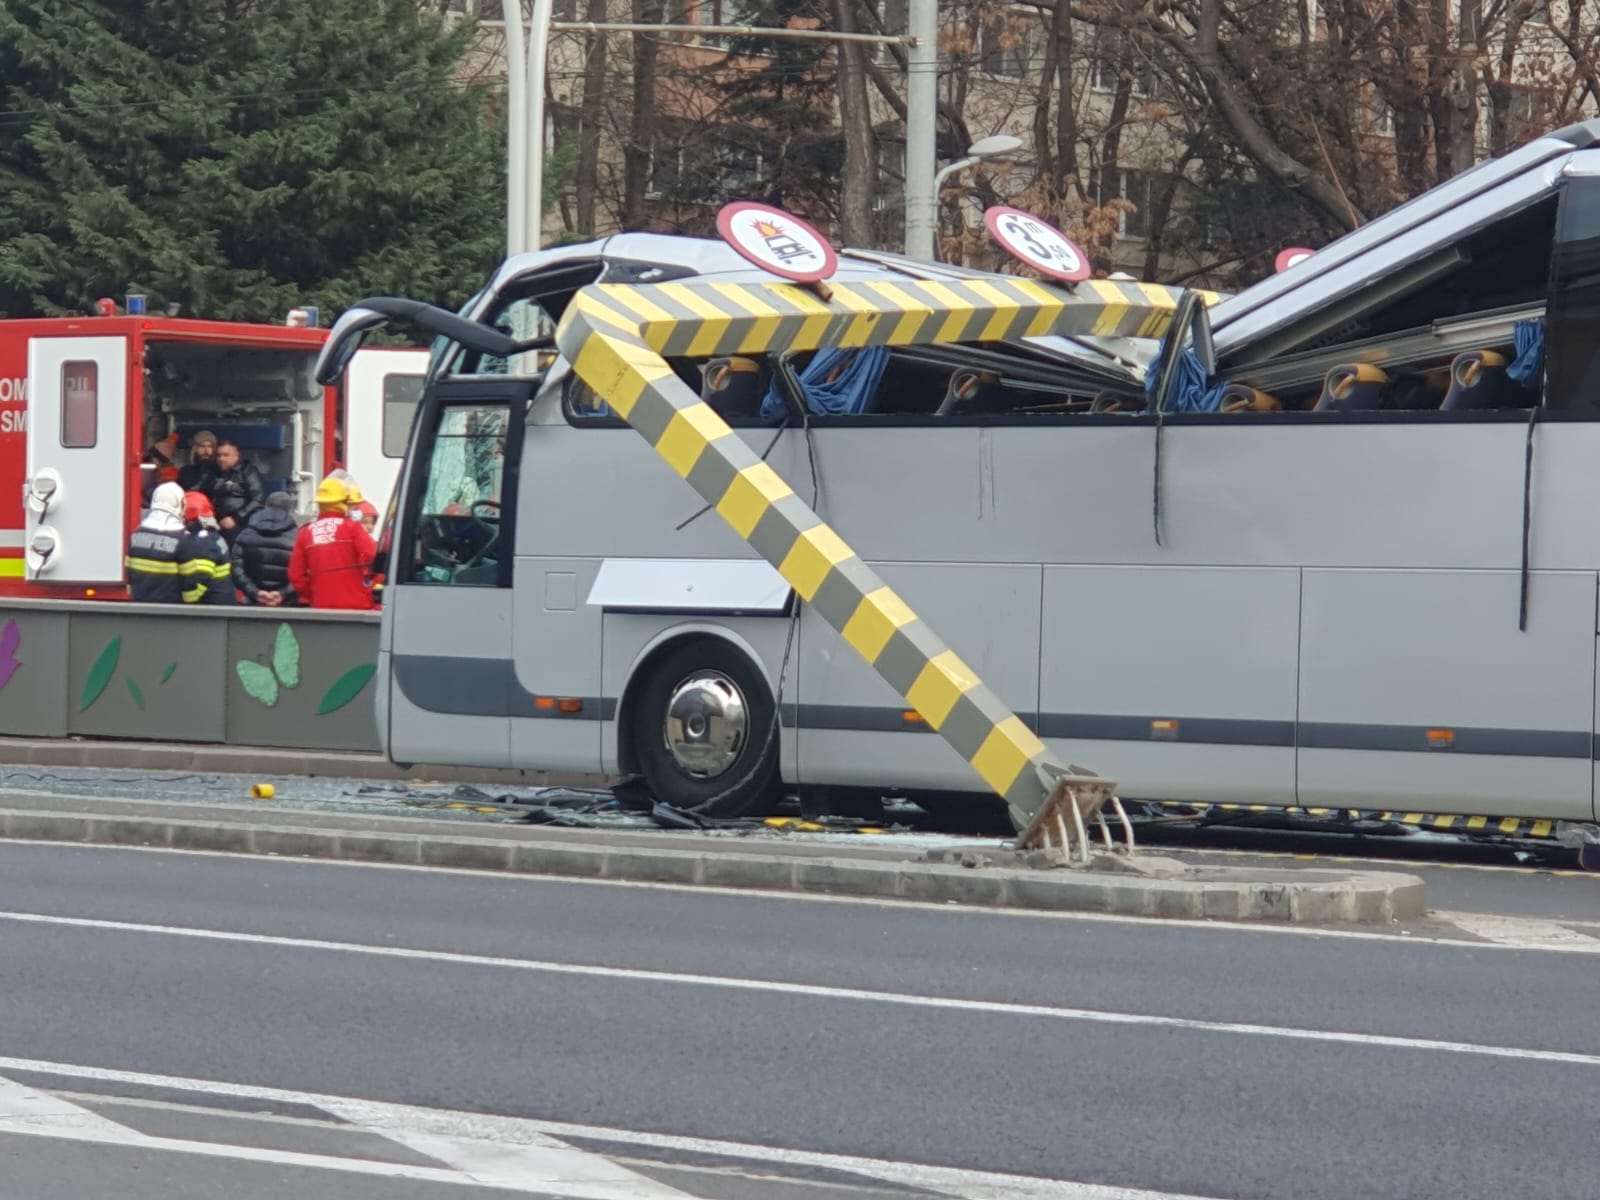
pixel 705 733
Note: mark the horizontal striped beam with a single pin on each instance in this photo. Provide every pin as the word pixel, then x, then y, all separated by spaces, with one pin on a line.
pixel 617 338
pixel 703 319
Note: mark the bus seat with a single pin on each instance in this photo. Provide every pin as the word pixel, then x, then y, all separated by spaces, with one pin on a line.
pixel 1478 379
pixel 1115 402
pixel 963 386
pixel 1352 387
pixel 732 387
pixel 1239 397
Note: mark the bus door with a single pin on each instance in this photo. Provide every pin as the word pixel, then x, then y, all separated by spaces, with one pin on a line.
pixel 448 602
pixel 77 462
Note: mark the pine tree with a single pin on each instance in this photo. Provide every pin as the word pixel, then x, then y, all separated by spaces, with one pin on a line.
pixel 239 157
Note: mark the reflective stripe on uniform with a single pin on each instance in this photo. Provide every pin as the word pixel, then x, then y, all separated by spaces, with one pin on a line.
pixel 150 566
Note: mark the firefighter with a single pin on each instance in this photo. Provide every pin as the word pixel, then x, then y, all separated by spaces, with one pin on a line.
pixel 154 549
pixel 205 571
pixel 331 555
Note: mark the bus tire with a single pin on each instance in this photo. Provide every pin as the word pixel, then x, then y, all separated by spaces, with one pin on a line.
pixel 705 734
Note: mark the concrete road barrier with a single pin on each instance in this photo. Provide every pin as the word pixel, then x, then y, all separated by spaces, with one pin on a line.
pixel 1151 887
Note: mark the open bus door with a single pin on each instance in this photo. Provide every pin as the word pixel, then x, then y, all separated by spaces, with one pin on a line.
pixel 77 474
pixel 448 560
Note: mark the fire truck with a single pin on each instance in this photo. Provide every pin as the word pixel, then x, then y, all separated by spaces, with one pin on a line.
pixel 82 399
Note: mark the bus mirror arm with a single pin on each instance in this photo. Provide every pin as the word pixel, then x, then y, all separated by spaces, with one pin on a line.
pixel 370 313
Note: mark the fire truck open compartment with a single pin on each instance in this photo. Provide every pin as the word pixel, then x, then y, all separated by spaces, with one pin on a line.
pixel 261 397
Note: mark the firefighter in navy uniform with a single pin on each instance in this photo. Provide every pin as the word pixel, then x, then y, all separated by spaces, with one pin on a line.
pixel 205 568
pixel 155 549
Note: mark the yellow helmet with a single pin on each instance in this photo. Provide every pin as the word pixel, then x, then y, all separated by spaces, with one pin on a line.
pixel 331 493
pixel 352 494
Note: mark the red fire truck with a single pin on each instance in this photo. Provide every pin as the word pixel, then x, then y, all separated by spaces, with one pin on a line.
pixel 83 398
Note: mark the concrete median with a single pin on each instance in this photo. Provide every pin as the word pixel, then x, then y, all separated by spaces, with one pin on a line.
pixel 1152 886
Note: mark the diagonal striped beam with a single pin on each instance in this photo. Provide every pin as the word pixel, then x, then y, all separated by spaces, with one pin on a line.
pixel 616 338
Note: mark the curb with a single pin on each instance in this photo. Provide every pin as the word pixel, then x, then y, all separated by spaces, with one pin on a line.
pixel 206 758
pixel 1330 898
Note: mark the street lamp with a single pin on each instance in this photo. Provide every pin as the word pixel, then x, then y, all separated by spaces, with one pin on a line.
pixel 998 145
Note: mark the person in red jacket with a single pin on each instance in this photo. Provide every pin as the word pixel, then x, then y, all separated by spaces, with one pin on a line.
pixel 328 565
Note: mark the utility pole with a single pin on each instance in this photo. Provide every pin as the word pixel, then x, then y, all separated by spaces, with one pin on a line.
pixel 538 55
pixel 516 129
pixel 922 101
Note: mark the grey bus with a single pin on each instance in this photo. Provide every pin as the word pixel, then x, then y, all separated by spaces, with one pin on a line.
pixel 1326 545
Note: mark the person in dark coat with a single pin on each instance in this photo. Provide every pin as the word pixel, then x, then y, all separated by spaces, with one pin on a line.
pixel 261 552
pixel 203 569
pixel 237 491
pixel 200 474
pixel 154 549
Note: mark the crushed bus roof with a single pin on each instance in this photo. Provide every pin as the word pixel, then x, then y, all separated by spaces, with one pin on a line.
pixel 651 258
pixel 1368 266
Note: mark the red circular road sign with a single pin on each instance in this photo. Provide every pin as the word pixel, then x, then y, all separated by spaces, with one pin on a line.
pixel 1288 258
pixel 777 241
pixel 1037 243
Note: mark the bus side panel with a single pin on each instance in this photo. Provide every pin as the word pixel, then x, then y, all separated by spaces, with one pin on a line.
pixel 1594 795
pixel 854 729
pixel 1418 692
pixel 557 655
pixel 450 695
pixel 1178 682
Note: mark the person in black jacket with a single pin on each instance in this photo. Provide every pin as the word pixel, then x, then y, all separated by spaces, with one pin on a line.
pixel 261 553
pixel 200 475
pixel 154 549
pixel 203 571
pixel 237 491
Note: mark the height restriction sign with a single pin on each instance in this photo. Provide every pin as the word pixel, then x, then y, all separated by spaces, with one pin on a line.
pixel 1037 243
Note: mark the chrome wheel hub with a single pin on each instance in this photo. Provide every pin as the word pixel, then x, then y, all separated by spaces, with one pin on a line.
pixel 706 724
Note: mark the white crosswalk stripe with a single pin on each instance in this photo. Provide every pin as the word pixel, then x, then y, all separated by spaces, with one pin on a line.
pixel 508 1153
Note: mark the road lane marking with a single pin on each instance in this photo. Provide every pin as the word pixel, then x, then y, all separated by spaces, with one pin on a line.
pixel 882 906
pixel 824 991
pixel 539 1164
pixel 384 1118
pixel 25 1112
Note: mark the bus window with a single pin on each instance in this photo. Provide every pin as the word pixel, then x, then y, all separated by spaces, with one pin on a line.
pixel 458 524
pixel 1573 325
pixel 401 395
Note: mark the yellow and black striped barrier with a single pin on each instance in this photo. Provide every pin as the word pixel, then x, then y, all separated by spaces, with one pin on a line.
pixel 617 338
pixel 1529 827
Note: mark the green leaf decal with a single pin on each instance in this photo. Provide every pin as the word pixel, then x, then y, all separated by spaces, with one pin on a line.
pixel 138 696
pixel 345 688
pixel 100 673
pixel 167 673
pixel 257 681
pixel 286 656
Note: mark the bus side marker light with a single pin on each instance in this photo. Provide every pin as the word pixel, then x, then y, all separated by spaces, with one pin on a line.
pixel 1441 739
pixel 569 704
pixel 1167 730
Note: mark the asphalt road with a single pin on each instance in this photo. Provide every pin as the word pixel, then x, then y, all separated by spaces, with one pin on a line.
pixel 693 1041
